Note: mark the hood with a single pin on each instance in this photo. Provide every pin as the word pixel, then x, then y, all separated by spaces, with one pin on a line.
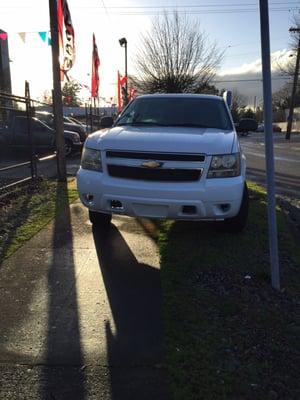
pixel 164 139
pixel 71 134
pixel 75 128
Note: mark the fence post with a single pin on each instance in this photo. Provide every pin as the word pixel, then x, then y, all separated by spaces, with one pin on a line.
pixel 91 116
pixel 33 166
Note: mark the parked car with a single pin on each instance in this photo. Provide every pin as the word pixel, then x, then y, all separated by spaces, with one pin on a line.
pixel 15 135
pixel 69 125
pixel 245 126
pixel 276 128
pixel 167 156
pixel 261 128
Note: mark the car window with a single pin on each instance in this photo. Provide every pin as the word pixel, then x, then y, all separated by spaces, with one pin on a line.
pixel 41 126
pixel 21 125
pixel 181 111
pixel 48 119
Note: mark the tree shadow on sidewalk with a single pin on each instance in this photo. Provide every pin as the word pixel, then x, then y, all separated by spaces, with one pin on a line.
pixel 63 376
pixel 135 342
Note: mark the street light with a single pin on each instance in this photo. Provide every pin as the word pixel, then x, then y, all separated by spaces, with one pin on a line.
pixel 123 43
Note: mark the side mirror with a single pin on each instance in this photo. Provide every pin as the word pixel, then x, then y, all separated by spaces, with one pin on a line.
pixel 227 96
pixel 106 122
pixel 247 124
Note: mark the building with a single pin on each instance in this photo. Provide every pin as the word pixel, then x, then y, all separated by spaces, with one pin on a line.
pixel 5 80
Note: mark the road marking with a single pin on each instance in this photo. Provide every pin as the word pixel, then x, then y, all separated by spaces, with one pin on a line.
pixel 276 157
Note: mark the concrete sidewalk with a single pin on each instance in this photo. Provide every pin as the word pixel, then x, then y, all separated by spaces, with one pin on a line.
pixel 81 314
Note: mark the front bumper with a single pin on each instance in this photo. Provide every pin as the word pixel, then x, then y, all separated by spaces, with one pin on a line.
pixel 208 199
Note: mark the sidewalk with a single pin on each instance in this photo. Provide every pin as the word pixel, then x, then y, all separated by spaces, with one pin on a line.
pixel 81 314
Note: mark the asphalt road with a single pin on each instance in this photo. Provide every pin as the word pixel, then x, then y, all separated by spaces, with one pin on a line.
pixel 81 314
pixel 287 162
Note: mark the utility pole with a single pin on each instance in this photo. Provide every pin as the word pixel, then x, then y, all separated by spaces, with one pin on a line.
pixel 267 91
pixel 291 112
pixel 57 97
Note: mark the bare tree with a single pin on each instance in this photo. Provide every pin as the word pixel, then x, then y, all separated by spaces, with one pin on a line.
pixel 175 56
pixel 288 68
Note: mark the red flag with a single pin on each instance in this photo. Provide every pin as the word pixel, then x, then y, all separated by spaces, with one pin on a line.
pixel 95 66
pixel 66 37
pixel 121 82
pixel 132 93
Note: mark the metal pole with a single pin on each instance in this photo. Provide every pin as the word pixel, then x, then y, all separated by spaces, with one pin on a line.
pixel 291 112
pixel 95 113
pixel 29 129
pixel 267 92
pixel 57 97
pixel 86 114
pixel 91 115
pixel 126 83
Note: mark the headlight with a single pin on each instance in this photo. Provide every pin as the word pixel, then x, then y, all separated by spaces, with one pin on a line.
pixel 91 159
pixel 76 138
pixel 225 166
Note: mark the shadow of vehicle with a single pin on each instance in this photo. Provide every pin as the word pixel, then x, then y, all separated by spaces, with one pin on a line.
pixel 134 345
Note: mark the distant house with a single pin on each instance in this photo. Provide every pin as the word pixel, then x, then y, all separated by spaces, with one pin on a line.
pixel 296 119
pixel 296 116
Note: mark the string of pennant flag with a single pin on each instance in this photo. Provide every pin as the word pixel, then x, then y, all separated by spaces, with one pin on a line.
pixel 44 35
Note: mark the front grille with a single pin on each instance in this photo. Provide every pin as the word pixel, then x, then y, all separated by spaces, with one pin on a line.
pixel 155 156
pixel 159 175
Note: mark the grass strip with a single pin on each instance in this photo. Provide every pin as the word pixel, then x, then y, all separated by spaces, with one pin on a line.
pixel 229 335
pixel 31 208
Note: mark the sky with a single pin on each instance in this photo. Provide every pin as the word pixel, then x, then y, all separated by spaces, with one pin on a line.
pixel 233 24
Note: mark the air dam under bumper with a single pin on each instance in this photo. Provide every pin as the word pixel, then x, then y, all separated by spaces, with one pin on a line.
pixel 210 199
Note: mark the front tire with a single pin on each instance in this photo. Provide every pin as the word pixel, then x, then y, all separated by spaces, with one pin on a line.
pixel 99 219
pixel 238 223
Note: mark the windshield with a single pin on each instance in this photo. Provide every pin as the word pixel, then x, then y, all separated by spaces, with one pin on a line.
pixel 177 111
pixel 47 118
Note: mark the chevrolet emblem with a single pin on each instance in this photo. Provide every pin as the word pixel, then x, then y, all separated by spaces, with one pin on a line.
pixel 152 164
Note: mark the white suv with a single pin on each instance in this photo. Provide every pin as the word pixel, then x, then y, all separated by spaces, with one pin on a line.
pixel 167 156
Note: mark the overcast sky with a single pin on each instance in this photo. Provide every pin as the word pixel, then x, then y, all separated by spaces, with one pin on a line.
pixel 233 24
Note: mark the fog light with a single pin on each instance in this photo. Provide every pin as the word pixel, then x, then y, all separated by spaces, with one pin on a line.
pixel 116 205
pixel 189 210
pixel 225 207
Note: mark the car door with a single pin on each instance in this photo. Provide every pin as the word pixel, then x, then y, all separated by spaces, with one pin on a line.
pixel 43 135
pixel 19 131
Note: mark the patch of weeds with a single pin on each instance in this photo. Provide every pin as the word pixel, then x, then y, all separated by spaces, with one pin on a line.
pixel 229 334
pixel 29 209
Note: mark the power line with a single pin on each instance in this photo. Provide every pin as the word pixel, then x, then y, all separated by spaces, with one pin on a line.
pixel 201 12
pixel 285 3
pixel 105 8
pixel 222 5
